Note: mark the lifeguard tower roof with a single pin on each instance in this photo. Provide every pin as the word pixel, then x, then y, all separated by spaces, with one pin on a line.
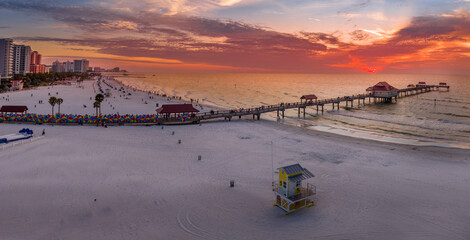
pixel 297 173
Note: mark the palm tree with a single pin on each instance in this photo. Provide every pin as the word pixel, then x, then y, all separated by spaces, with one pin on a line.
pixel 99 98
pixel 96 105
pixel 59 101
pixel 52 101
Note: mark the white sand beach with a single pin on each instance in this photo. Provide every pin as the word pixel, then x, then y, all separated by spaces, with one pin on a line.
pixel 137 182
pixel 79 98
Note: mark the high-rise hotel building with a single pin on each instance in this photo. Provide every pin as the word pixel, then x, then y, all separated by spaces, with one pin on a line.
pixel 6 58
pixel 36 66
pixel 21 59
pixel 68 66
pixel 81 65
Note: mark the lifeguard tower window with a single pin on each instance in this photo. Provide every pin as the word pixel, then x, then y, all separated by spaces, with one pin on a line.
pixel 297 184
pixel 284 184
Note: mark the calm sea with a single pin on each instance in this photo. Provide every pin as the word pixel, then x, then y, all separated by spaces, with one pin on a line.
pixel 438 118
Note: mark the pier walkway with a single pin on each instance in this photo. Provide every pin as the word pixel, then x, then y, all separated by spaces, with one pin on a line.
pixel 301 106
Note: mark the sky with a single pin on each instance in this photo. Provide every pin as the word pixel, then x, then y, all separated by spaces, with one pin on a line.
pixel 291 36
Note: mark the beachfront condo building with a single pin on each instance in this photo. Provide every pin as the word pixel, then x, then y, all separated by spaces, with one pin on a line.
pixel 68 66
pixel 6 58
pixel 35 65
pixel 58 66
pixel 81 65
pixel 41 68
pixel 35 58
pixel 21 59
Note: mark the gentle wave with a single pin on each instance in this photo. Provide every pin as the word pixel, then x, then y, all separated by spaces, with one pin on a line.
pixel 455 122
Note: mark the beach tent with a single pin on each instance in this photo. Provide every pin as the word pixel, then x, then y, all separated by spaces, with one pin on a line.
pixel 14 109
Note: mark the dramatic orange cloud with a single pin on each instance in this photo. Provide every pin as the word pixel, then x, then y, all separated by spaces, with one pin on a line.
pixel 424 43
pixel 148 40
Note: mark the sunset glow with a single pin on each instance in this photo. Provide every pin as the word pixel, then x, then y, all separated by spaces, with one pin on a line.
pixel 247 35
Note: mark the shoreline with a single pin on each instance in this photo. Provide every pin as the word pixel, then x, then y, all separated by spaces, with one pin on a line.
pixel 369 142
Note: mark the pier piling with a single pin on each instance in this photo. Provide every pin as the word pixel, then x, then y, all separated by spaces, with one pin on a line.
pixel 302 105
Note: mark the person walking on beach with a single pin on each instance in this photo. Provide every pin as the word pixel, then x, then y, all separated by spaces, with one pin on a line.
pixel 43 131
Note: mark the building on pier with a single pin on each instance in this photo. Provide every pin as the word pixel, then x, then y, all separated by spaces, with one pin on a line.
pixel 383 92
pixel 290 194
pixel 308 98
pixel 421 84
pixel 443 85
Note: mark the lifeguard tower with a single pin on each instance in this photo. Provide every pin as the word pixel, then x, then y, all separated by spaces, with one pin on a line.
pixel 290 194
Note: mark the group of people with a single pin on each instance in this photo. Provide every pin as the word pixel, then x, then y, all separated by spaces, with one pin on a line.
pixel 103 124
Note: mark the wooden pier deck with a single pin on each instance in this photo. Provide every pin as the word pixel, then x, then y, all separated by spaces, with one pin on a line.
pixel 301 106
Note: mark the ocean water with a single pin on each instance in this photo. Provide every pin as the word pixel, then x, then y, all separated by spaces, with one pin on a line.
pixel 438 118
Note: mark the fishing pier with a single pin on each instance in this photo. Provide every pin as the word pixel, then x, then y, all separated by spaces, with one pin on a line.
pixel 186 113
pixel 381 92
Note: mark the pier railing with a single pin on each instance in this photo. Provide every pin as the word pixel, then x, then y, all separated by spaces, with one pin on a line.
pixel 281 107
pixel 276 107
pixel 195 118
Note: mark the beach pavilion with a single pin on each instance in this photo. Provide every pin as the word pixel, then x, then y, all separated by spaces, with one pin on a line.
pixel 308 98
pixel 383 92
pixel 167 109
pixel 14 109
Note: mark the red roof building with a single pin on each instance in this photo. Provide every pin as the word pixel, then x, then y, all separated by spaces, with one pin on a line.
pixel 383 90
pixel 421 84
pixel 307 98
pixel 14 109
pixel 168 109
